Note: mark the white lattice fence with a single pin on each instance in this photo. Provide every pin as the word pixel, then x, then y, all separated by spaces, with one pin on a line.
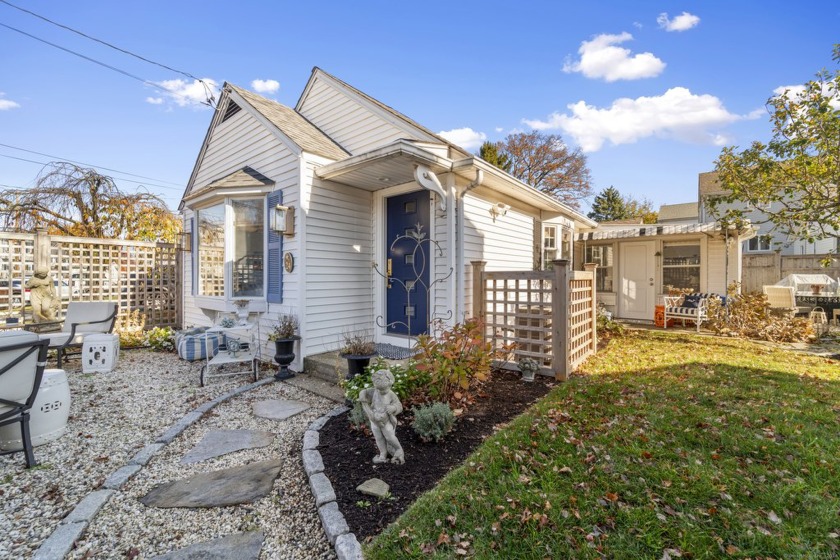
pixel 141 276
pixel 519 307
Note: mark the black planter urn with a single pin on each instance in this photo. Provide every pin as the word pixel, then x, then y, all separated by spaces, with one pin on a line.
pixel 284 355
pixel 356 364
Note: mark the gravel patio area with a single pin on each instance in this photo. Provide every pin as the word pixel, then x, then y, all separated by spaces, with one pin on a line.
pixel 112 417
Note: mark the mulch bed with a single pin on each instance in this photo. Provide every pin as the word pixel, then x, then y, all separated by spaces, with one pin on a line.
pixel 348 454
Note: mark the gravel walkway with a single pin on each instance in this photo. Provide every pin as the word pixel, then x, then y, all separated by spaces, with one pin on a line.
pixel 112 417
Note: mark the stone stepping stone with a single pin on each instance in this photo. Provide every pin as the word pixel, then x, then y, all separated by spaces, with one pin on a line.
pixel 221 442
pixel 279 409
pixel 375 487
pixel 239 546
pixel 227 487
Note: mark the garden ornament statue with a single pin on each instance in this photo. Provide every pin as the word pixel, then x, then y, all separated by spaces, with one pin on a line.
pixel 381 405
pixel 42 296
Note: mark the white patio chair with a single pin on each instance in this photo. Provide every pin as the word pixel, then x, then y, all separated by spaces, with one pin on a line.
pixel 82 318
pixel 781 299
pixel 22 360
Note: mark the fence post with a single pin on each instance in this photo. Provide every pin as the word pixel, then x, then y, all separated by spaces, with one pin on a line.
pixel 593 267
pixel 560 319
pixel 478 305
pixel 42 249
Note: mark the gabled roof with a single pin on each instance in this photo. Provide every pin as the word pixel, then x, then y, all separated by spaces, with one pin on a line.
pixel 245 177
pixel 316 71
pixel 299 130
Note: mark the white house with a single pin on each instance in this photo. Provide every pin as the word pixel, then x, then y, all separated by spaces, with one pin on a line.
pixel 315 210
pixel 766 239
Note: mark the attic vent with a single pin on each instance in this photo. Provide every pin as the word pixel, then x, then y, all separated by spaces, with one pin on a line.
pixel 231 109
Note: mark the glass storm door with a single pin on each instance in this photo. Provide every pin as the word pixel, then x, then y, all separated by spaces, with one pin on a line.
pixel 407 262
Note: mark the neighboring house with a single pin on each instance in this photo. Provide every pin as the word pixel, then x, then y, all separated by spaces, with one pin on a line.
pixel 766 240
pixel 297 210
pixel 639 263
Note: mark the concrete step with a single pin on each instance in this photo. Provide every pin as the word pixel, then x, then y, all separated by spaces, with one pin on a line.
pixel 329 367
pixel 318 386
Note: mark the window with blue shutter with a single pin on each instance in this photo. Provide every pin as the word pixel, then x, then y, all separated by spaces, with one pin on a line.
pixel 274 255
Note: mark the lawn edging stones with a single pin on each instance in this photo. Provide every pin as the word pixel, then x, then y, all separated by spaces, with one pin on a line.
pixel 346 544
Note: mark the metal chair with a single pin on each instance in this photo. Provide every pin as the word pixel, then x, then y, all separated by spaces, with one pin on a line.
pixel 22 360
pixel 82 318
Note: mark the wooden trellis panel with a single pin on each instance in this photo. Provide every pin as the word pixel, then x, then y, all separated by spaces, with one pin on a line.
pixel 141 276
pixel 549 315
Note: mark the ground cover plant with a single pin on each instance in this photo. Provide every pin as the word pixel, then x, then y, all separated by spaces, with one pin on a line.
pixel 671 445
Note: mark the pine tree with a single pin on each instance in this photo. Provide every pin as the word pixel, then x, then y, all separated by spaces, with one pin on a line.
pixel 489 152
pixel 609 205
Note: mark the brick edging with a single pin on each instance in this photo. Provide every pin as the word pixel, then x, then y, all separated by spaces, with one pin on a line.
pixel 64 536
pixel 346 545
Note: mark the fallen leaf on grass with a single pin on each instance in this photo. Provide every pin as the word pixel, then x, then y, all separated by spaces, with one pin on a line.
pixel 774 518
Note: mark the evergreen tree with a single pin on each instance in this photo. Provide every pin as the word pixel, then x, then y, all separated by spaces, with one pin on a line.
pixel 609 205
pixel 489 152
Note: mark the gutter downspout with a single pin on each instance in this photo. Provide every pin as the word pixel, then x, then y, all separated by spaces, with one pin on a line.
pixel 460 311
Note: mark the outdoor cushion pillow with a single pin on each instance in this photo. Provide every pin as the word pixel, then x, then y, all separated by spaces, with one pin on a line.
pixel 691 301
pixel 194 347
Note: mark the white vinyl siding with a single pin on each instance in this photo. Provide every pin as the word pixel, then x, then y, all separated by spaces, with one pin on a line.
pixel 353 126
pixel 339 289
pixel 714 263
pixel 506 244
pixel 238 142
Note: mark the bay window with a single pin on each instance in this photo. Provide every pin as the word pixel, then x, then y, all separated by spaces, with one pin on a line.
pixel 231 248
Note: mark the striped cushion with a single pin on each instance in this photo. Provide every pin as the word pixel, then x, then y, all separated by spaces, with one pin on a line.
pixel 192 347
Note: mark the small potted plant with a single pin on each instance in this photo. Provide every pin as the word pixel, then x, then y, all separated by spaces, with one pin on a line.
pixel 241 310
pixel 284 337
pixel 358 349
pixel 529 368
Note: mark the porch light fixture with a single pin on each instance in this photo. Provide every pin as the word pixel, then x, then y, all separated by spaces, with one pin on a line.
pixel 498 210
pixel 186 241
pixel 282 219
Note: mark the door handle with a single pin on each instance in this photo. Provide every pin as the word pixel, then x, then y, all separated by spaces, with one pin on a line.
pixel 651 281
pixel 388 272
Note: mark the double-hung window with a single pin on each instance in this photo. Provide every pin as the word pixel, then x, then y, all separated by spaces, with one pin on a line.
pixel 231 249
pixel 602 255
pixel 681 266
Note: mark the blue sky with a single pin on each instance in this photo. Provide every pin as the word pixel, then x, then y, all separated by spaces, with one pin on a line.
pixel 651 91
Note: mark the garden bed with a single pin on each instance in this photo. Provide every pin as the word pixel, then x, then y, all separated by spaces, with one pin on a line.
pixel 348 454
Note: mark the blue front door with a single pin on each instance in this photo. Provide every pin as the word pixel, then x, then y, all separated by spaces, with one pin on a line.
pixel 408 263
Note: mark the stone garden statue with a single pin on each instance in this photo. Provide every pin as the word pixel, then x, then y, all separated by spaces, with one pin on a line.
pixel 42 296
pixel 381 405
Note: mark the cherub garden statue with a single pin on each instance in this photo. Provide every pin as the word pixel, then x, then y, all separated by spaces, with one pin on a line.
pixel 42 296
pixel 381 405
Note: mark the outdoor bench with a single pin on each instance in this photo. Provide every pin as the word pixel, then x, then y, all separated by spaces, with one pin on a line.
pixel 692 307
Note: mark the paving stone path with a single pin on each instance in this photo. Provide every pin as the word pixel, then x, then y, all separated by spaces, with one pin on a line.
pixel 221 442
pixel 241 546
pixel 279 409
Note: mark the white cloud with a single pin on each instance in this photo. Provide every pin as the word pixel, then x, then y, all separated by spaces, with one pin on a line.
pixel 682 22
pixel 466 138
pixel 6 104
pixel 793 92
pixel 677 114
pixel 601 58
pixel 265 86
pixel 155 100
pixel 184 93
pixel 499 129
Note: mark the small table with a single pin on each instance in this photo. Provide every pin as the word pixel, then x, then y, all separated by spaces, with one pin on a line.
pixel 247 338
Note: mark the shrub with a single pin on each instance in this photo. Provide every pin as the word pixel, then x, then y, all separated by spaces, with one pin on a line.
pixel 130 328
pixel 457 360
pixel 357 416
pixel 357 345
pixel 161 339
pixel 748 315
pixel 432 422
pixel 284 329
pixel 408 381
pixel 605 324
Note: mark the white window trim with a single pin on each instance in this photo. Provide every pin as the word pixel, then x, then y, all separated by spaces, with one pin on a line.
pixel 224 302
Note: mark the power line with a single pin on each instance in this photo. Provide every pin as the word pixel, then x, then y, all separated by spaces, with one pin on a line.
pixel 180 185
pixel 107 44
pixel 143 183
pixel 210 100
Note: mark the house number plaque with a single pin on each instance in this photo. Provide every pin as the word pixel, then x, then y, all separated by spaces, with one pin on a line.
pixel 288 262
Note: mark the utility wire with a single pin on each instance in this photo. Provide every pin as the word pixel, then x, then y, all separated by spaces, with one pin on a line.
pixel 143 183
pixel 180 185
pixel 107 44
pixel 210 98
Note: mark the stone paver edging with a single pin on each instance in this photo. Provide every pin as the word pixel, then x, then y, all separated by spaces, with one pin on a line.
pixel 346 545
pixel 69 529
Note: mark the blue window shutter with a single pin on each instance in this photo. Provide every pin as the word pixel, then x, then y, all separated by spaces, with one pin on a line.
pixel 194 255
pixel 274 257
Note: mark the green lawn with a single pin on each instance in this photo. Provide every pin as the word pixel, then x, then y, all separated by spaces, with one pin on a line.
pixel 670 444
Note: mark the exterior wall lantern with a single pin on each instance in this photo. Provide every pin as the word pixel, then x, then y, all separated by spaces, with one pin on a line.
pixel 283 219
